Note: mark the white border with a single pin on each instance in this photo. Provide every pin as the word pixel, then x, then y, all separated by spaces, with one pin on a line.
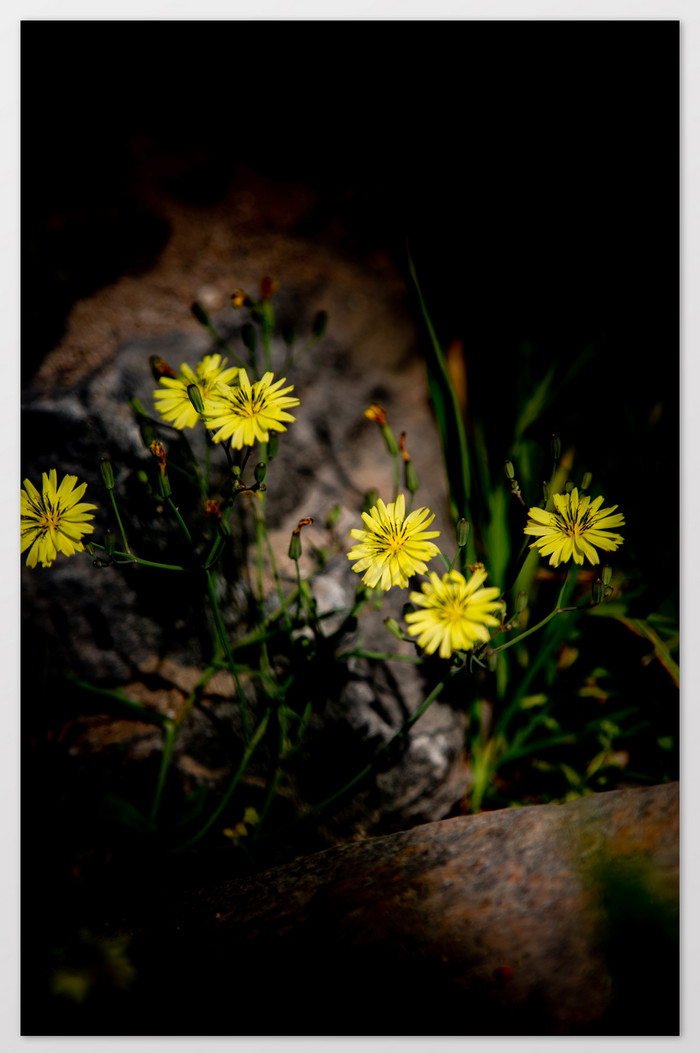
pixel 12 13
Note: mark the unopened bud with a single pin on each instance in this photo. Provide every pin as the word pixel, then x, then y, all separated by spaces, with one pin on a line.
pixel 462 533
pixel 568 486
pixel 195 397
pixel 160 368
pixel 545 491
pixel 295 545
pixel 586 481
pixel 555 447
pixel 510 470
pixel 608 591
pixel 295 540
pixel 606 574
pixel 273 445
pixel 200 314
pixel 394 628
pixel 389 439
pixel 164 483
pixel 240 298
pixel 320 323
pixel 598 591
pixel 520 602
pixel 107 473
pixel 110 542
pixel 268 286
pixel 212 508
pixel 248 337
pixel 376 412
pixel 410 477
pixel 158 451
pixel 260 470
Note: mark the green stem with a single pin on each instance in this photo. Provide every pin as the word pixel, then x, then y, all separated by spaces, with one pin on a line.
pixel 247 754
pixel 181 521
pixel 376 760
pixel 169 735
pixel 223 640
pixel 119 521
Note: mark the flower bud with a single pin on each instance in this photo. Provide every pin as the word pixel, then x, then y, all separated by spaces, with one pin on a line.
pixel 201 315
pixel 520 602
pixel 510 470
pixel 598 591
pixel 568 486
pixel 195 397
pixel 273 445
pixel 376 412
pixel 164 483
pixel 160 368
pixel 410 477
pixel 240 298
pixel 259 472
pixel 394 628
pixel 545 491
pixel 107 473
pixel 586 481
pixel 555 447
pixel 248 337
pixel 462 533
pixel 606 574
pixel 320 323
pixel 295 545
pixel 389 439
pixel 295 540
pixel 268 286
pixel 110 542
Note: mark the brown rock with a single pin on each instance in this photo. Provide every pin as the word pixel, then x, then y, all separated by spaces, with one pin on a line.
pixel 552 920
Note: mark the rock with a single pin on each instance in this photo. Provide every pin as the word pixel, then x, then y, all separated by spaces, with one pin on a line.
pixel 545 920
pixel 149 631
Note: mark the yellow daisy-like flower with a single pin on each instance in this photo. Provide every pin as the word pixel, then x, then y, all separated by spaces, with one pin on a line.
pixel 247 414
pixel 574 529
pixel 395 546
pixel 455 612
pixel 171 398
pixel 53 521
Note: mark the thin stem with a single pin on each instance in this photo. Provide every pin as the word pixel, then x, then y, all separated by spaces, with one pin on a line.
pixel 223 640
pixel 400 734
pixel 131 558
pixel 181 521
pixel 119 521
pixel 169 735
pixel 247 754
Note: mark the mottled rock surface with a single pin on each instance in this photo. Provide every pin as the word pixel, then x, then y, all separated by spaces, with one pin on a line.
pixel 552 920
pixel 149 632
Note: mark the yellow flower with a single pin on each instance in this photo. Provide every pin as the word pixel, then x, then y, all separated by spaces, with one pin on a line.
pixel 53 521
pixel 455 612
pixel 574 529
pixel 173 402
pixel 248 414
pixel 395 546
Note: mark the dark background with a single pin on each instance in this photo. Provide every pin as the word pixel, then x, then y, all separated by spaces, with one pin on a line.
pixel 532 166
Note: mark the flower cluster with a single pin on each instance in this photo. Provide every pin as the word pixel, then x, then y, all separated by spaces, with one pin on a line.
pixel 393 548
